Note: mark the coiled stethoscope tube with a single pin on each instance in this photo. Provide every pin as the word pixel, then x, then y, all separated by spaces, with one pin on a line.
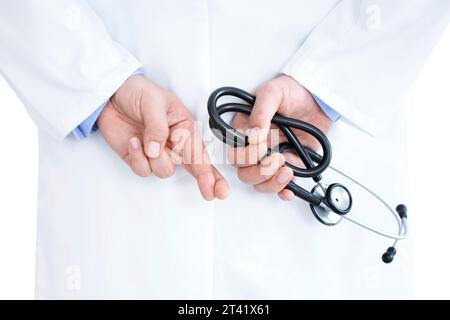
pixel 329 204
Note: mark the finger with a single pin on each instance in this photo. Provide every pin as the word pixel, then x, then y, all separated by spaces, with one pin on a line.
pixel 277 182
pixel 205 182
pixel 163 167
pixel 210 182
pixel 263 171
pixel 221 187
pixel 294 159
pixel 248 156
pixel 266 105
pixel 156 128
pixel 308 141
pixel 286 195
pixel 137 159
pixel 197 162
pixel 240 122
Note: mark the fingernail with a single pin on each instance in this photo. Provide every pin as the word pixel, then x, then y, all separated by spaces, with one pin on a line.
pixel 266 161
pixel 134 142
pixel 153 149
pixel 283 177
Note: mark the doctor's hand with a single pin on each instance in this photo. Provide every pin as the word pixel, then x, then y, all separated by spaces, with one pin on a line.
pixel 287 97
pixel 152 131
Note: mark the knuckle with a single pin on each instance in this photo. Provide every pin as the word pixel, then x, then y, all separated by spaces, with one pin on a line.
pixel 239 120
pixel 279 188
pixel 257 187
pixel 164 173
pixel 159 134
pixel 260 188
pixel 258 117
pixel 144 174
pixel 139 171
pixel 269 87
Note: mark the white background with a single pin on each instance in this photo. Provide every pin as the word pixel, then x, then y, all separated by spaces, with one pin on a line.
pixel 428 114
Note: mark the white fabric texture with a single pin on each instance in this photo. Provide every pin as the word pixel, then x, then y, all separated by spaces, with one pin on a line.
pixel 105 233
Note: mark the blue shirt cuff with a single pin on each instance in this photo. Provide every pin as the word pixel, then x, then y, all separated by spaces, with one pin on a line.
pixel 329 112
pixel 89 125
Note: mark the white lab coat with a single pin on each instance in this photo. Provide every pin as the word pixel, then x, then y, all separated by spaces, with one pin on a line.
pixel 105 233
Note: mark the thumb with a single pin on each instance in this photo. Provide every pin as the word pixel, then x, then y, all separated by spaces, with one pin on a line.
pixel 156 128
pixel 266 105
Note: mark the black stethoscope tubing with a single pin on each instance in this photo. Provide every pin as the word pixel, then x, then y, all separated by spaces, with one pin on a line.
pixel 315 164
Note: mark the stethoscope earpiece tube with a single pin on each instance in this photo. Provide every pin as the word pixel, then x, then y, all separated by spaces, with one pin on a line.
pixel 329 204
pixel 390 253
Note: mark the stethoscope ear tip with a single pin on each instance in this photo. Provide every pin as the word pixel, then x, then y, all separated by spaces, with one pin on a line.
pixel 402 211
pixel 389 255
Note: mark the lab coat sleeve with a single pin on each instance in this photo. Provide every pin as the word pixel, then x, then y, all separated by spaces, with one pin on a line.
pixel 362 58
pixel 60 60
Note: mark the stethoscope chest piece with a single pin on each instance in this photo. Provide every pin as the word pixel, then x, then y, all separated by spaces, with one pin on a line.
pixel 323 214
pixel 338 202
pixel 339 199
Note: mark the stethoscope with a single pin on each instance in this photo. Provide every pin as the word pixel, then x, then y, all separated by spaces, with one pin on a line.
pixel 329 203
